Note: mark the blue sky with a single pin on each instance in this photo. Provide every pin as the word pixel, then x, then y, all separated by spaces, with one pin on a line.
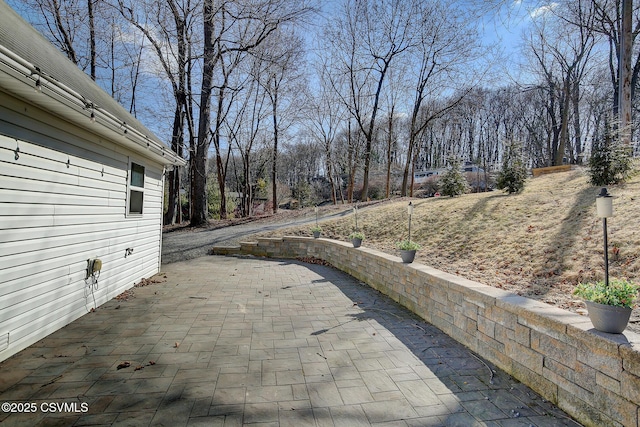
pixel 502 26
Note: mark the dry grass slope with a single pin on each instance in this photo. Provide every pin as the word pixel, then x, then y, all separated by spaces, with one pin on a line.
pixel 538 244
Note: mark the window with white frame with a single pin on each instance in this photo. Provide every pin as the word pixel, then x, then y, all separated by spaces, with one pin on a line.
pixel 136 189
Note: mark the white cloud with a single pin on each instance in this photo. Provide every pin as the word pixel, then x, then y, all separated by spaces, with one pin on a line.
pixel 543 10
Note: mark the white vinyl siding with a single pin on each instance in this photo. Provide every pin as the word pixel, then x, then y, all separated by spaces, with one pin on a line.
pixel 62 201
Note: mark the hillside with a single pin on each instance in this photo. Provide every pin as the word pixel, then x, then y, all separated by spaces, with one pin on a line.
pixel 538 244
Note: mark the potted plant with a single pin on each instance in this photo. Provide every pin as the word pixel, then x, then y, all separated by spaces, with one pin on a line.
pixel 609 306
pixel 316 230
pixel 407 250
pixel 356 238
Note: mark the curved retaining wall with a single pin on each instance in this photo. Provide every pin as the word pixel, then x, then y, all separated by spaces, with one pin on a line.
pixel 593 376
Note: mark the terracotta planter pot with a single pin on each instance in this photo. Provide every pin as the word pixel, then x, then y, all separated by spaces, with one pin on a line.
pixel 608 318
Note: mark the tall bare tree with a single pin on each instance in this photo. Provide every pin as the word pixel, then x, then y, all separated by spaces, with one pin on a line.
pixel 626 50
pixel 445 47
pixel 283 57
pixel 70 24
pixel 245 124
pixel 367 37
pixel 168 26
pixel 230 28
pixel 609 15
pixel 561 53
pixel 325 113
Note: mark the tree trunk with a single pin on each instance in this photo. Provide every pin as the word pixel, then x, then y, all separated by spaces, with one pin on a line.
pixel 564 124
pixel 369 134
pixel 221 174
pixel 66 41
pixel 389 157
pixel 575 96
pixel 625 72
pixel 410 160
pixel 327 149
pixel 413 171
pixel 247 191
pixel 92 39
pixel 199 172
pixel 274 166
pixel 350 162
pixel 174 211
pixel 365 176
pixel 221 165
pixel 173 214
pixel 407 166
pixel 199 178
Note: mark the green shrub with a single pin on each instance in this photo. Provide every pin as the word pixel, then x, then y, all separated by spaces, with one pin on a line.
pixel 357 235
pixel 452 182
pixel 213 199
pixel 302 192
pixel 513 175
pixel 619 293
pixel 611 160
pixel 407 245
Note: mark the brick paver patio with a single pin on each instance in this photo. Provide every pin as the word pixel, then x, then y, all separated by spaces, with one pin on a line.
pixel 252 342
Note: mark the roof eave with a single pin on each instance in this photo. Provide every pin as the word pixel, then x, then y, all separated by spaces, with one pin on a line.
pixel 23 80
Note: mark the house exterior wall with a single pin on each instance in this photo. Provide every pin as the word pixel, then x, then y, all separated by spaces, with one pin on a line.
pixel 63 200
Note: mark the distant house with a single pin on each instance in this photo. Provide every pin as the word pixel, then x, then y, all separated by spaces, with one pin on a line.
pixel 470 167
pixel 80 180
pixel 422 176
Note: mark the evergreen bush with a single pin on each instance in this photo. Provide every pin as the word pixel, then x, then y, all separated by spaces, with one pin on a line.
pixel 610 161
pixel 513 175
pixel 453 183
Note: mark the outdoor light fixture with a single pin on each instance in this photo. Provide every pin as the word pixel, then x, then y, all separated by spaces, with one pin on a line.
pixel 604 210
pixel 604 204
pixel 38 74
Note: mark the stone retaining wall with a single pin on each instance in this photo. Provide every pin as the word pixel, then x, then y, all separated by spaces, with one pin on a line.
pixel 593 376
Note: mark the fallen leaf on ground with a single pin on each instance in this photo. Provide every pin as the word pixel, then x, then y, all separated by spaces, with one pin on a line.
pixel 147 282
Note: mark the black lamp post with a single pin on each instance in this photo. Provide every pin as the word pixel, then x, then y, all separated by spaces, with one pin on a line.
pixel 355 213
pixel 316 210
pixel 604 209
pixel 410 211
